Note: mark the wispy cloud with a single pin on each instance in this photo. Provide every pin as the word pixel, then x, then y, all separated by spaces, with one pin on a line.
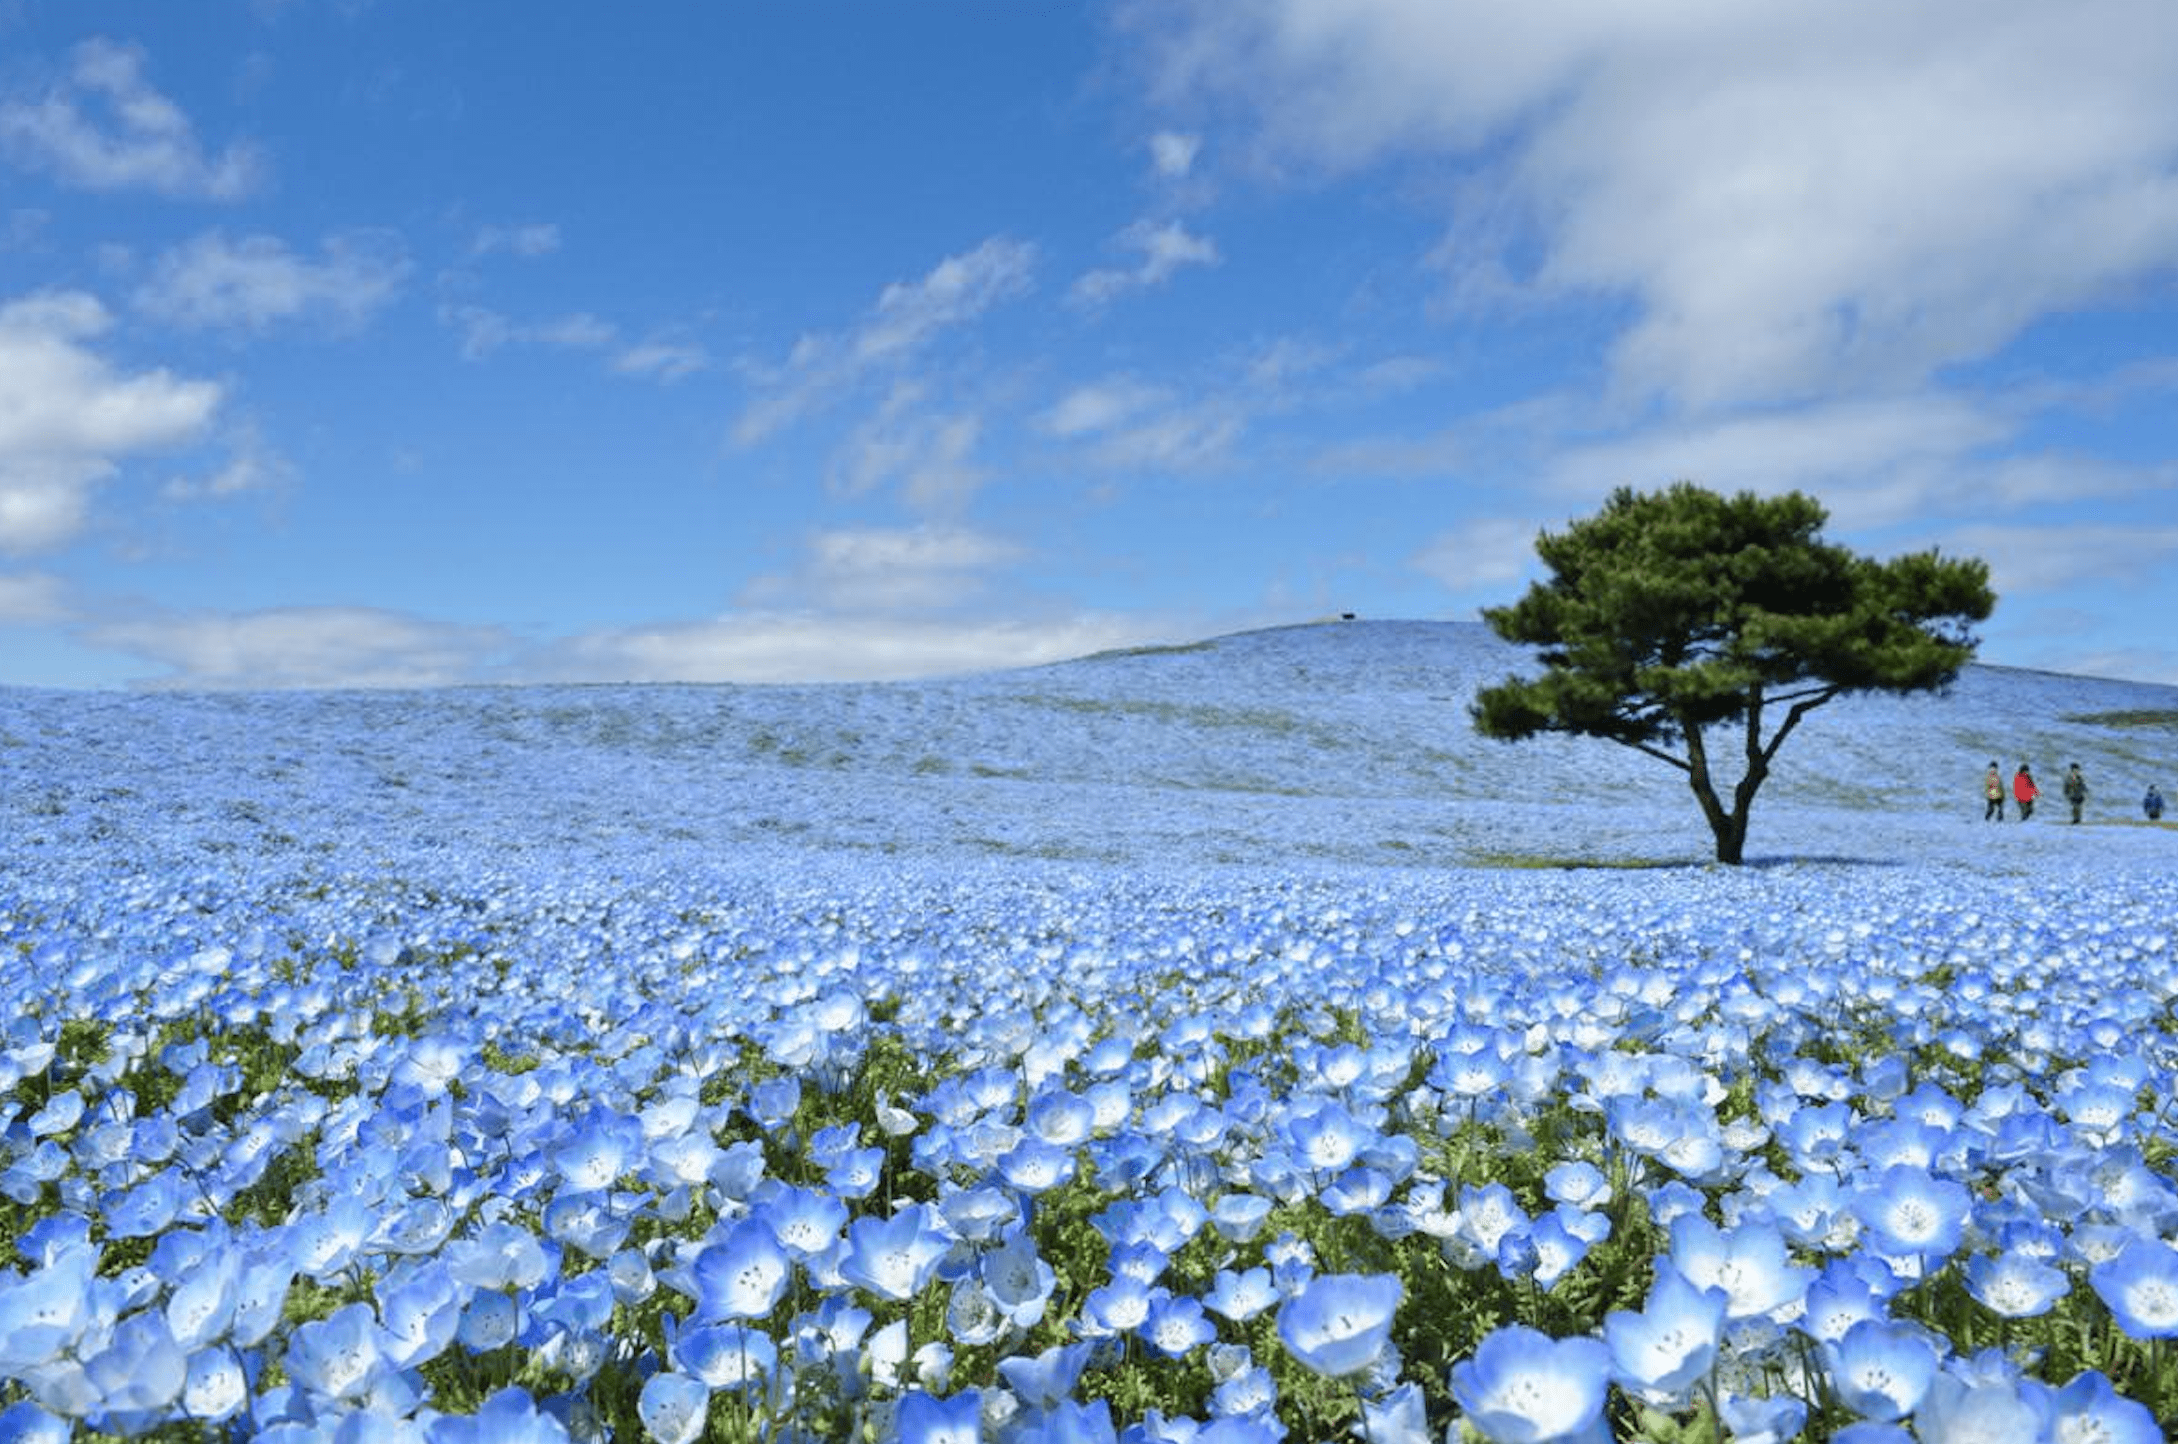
pixel 907 318
pixel 538 238
pixel 1172 153
pixel 1164 246
pixel 257 281
pixel 659 358
pixel 103 126
pixel 68 417
pixel 928 455
pixel 893 569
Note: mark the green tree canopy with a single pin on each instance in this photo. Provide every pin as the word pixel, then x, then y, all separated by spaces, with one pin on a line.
pixel 1670 613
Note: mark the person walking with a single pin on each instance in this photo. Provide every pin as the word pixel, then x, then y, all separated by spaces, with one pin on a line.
pixel 2024 791
pixel 1992 792
pixel 2075 790
pixel 2152 804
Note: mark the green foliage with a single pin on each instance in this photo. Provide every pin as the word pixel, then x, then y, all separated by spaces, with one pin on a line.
pixel 1669 613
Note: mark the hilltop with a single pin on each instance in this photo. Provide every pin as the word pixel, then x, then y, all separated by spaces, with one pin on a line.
pixel 1338 744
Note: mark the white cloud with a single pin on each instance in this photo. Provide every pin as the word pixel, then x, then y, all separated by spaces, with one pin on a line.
pixel 661 360
pixel 887 570
pixel 484 331
pixel 526 241
pixel 907 318
pixel 1173 153
pixel 1101 406
pixel 1164 246
pixel 1489 552
pixel 2029 559
pixel 929 456
pixel 254 282
pixel 28 598
pixel 303 647
pixel 68 417
pixel 1798 199
pixel 104 127
pixel 789 646
pixel 251 466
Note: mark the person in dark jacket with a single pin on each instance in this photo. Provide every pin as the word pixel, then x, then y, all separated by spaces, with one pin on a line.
pixel 2075 789
pixel 2152 804
pixel 2024 791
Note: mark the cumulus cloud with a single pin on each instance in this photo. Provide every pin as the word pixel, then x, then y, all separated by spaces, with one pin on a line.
pixel 304 647
pixel 1165 246
pixel 68 417
pixel 907 317
pixel 103 126
pixel 1797 199
pixel 252 283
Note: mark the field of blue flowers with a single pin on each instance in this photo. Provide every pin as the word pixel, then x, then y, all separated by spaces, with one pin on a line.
pixel 1207 1044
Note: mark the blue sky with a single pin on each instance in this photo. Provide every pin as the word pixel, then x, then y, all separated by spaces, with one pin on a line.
pixel 393 344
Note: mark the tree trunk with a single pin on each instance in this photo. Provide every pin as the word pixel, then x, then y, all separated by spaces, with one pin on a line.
pixel 1730 828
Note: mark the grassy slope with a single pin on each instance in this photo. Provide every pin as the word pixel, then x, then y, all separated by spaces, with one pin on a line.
pixel 1338 744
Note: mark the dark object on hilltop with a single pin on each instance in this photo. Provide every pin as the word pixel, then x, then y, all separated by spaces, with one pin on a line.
pixel 1672 612
pixel 2152 804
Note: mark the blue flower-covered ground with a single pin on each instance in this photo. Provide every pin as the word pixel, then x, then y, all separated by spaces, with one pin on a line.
pixel 1216 1042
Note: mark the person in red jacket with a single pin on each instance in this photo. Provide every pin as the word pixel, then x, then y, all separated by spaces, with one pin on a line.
pixel 2024 791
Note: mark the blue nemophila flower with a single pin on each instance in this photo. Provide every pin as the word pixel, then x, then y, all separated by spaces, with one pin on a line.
pixel 1840 1298
pixel 1749 1264
pixel 2140 1285
pixel 725 1356
pixel 1911 1212
pixel 1523 1387
pixel 341 1357
pixel 921 1418
pixel 1881 1368
pixel 420 1309
pixel 1963 1411
pixel 1660 1352
pixel 1238 1217
pixel 216 1387
pixel 1241 1296
pixel 1118 1307
pixel 139 1374
pixel 1337 1324
pixel 1176 1326
pixel 2015 1284
pixel 44 1313
pixel 894 1258
pixel 1018 1279
pixel 673 1408
pixel 507 1417
pixel 742 1275
pixel 805 1221
pixel 1043 1381
pixel 1323 1136
pixel 2091 1408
